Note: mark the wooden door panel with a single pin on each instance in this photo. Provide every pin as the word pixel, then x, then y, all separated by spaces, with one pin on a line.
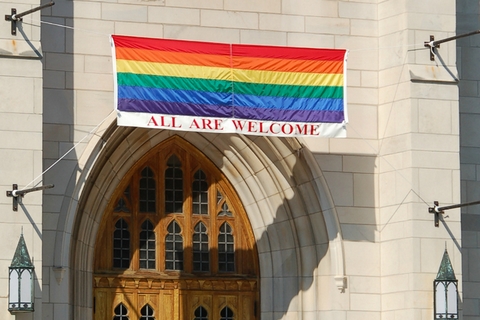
pixel 129 300
pixel 152 300
pixel 101 305
pixel 195 299
pixel 167 305
pixel 246 307
pixel 222 301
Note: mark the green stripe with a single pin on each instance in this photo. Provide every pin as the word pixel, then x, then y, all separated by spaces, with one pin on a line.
pixel 196 84
pixel 149 81
pixel 290 91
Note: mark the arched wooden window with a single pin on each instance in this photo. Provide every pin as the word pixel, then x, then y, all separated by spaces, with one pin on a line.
pixel 175 237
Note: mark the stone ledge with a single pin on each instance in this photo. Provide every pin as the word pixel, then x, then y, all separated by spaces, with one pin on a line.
pixel 21 49
pixel 428 73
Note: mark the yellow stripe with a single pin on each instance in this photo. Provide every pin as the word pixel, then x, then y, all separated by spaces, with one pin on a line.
pixel 288 78
pixel 173 70
pixel 240 75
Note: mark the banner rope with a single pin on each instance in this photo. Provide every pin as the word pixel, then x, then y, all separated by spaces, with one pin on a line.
pixel 417 46
pixel 66 153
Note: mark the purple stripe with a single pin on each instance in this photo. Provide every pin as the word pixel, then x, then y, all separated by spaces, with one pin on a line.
pixel 289 115
pixel 190 109
pixel 174 108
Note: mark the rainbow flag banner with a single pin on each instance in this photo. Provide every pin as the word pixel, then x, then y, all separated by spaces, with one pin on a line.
pixel 216 87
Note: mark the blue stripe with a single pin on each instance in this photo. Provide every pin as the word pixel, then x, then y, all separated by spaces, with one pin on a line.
pixel 288 103
pixel 180 96
pixel 174 108
pixel 225 99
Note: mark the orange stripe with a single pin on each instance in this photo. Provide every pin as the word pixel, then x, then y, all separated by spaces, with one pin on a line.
pixel 288 65
pixel 208 60
pixel 246 63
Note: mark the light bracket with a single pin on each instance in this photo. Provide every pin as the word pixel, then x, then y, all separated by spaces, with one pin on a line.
pixel 14 17
pixel 15 193
pixel 436 210
pixel 433 44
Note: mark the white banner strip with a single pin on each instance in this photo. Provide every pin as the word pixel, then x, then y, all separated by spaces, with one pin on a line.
pixel 226 125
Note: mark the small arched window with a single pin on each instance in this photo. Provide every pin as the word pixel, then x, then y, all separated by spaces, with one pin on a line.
pixel 226 249
pixel 201 255
pixel 226 314
pixel 121 245
pixel 174 186
pixel 147 191
pixel 120 312
pixel 147 246
pixel 200 193
pixel 201 313
pixel 174 247
pixel 147 313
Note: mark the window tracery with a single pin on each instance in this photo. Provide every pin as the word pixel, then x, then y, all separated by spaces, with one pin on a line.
pixel 194 221
pixel 174 223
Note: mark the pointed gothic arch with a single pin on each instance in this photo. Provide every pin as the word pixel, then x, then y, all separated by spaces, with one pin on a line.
pixel 271 176
pixel 172 189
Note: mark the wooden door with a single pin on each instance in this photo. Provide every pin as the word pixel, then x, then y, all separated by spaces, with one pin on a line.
pixel 175 243
pixel 190 299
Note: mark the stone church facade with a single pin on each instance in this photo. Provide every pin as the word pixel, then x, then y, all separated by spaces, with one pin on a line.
pixel 292 228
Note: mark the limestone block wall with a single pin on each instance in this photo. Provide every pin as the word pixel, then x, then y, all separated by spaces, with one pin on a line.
pixel 379 177
pixel 418 161
pixel 20 146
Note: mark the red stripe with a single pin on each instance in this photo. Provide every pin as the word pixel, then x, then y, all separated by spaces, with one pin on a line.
pixel 238 50
pixel 288 53
pixel 172 45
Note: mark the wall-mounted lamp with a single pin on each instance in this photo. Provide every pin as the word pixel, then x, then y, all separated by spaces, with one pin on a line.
pixel 445 288
pixel 21 280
